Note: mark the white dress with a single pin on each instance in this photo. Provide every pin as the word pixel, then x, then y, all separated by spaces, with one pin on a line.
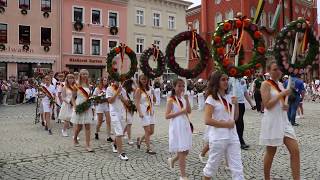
pixel 66 108
pixel 200 101
pixel 275 124
pixel 103 107
pixel 148 114
pixel 190 96
pixel 85 117
pixel 157 93
pixel 180 135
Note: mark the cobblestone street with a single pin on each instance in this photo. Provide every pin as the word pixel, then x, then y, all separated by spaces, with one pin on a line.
pixel 28 152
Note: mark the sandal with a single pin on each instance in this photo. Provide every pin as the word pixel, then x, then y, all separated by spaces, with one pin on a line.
pixel 89 150
pixel 138 143
pixel 149 151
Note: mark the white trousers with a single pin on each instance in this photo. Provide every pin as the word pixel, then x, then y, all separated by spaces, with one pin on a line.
pixel 217 151
pixel 157 93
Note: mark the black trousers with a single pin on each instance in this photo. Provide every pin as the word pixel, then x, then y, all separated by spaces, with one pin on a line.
pixel 258 99
pixel 240 123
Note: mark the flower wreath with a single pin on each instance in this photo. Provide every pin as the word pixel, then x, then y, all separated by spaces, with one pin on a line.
pixel 122 49
pixel 281 51
pixel 223 36
pixel 158 56
pixel 203 49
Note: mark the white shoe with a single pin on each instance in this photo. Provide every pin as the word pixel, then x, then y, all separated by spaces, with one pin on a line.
pixel 170 163
pixel 64 133
pixel 130 142
pixel 183 178
pixel 114 148
pixel 301 117
pixel 201 159
pixel 123 157
pixel 298 117
pixel 77 138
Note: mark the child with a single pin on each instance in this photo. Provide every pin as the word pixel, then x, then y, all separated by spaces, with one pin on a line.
pixel 223 138
pixel 116 97
pixel 180 134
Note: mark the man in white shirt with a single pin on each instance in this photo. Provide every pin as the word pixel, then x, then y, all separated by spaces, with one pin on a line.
pixel 116 99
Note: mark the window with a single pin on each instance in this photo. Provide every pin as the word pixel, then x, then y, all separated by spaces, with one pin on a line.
pixel 24 4
pixel 112 44
pixel 270 1
pixel 95 47
pixel 140 16
pixel 95 16
pixel 77 46
pixel 78 14
pixel 46 5
pixel 252 11
pixel 24 35
pixel 263 19
pixel 113 19
pixel 196 25
pixel 156 19
pixel 172 22
pixel 3 3
pixel 218 18
pixel 217 1
pixel 45 36
pixel 3 33
pixel 229 14
pixel 139 45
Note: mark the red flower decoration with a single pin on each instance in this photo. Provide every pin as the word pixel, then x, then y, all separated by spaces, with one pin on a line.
pixel 217 39
pixel 128 50
pixel 238 23
pixel 258 65
pixel 233 71
pixel 117 50
pixel 247 72
pixel 225 62
pixel 220 50
pixel 261 50
pixel 257 34
pixel 227 26
pixel 230 40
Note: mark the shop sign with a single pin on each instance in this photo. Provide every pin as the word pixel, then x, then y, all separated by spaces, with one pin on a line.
pixel 17 50
pixel 82 60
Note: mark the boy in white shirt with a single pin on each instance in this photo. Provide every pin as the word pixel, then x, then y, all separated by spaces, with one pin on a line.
pixel 116 97
pixel 30 95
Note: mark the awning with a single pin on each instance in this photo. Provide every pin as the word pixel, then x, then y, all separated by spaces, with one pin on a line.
pixel 18 59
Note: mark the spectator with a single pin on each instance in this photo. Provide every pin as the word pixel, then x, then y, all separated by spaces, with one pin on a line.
pixel 21 91
pixel 30 94
pixel 5 90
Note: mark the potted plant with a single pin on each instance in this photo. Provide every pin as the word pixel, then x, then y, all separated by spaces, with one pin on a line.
pixel 78 26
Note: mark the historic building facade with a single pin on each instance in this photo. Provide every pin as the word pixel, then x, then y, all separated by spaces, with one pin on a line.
pixel 157 22
pixel 29 37
pixel 90 30
pixel 206 16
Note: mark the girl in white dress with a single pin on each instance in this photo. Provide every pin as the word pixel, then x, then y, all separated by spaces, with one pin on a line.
pixel 276 129
pixel 222 133
pixel 103 110
pixel 84 118
pixel 144 103
pixel 66 107
pixel 200 96
pixel 180 134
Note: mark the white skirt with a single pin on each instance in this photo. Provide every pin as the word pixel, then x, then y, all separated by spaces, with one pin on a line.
pixel 180 135
pixel 65 112
pixel 83 118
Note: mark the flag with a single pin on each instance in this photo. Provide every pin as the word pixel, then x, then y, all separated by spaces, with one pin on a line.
pixel 276 16
pixel 259 11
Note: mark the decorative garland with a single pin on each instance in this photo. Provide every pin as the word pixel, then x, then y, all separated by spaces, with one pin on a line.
pixel 78 26
pixel 2 47
pixel 281 51
pixel 203 59
pixel 123 49
pixel 223 36
pixel 88 103
pixel 145 67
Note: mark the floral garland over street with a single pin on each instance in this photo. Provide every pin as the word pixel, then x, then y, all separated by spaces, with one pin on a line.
pixel 223 36
pixel 122 49
pixel 145 67
pixel 309 47
pixel 203 59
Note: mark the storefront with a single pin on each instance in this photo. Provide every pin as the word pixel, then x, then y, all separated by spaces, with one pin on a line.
pixel 28 69
pixel 3 71
pixel 95 65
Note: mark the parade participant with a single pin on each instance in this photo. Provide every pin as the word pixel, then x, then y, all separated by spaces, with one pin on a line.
pixel 144 104
pixel 84 118
pixel 275 127
pixel 257 93
pixel 59 87
pixel 295 98
pixel 128 86
pixel 116 99
pixel 48 93
pixel 190 92
pixel 180 134
pixel 102 109
pixel 66 108
pixel 223 138
pixel 157 92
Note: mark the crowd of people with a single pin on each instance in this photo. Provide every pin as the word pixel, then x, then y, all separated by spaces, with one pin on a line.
pixel 62 96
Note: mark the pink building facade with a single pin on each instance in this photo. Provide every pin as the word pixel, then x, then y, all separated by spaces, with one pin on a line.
pixel 29 37
pixel 90 30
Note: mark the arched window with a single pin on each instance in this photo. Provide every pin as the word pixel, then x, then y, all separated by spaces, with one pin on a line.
pixel 263 19
pixel 252 11
pixel 229 14
pixel 270 19
pixel 218 18
pixel 196 25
